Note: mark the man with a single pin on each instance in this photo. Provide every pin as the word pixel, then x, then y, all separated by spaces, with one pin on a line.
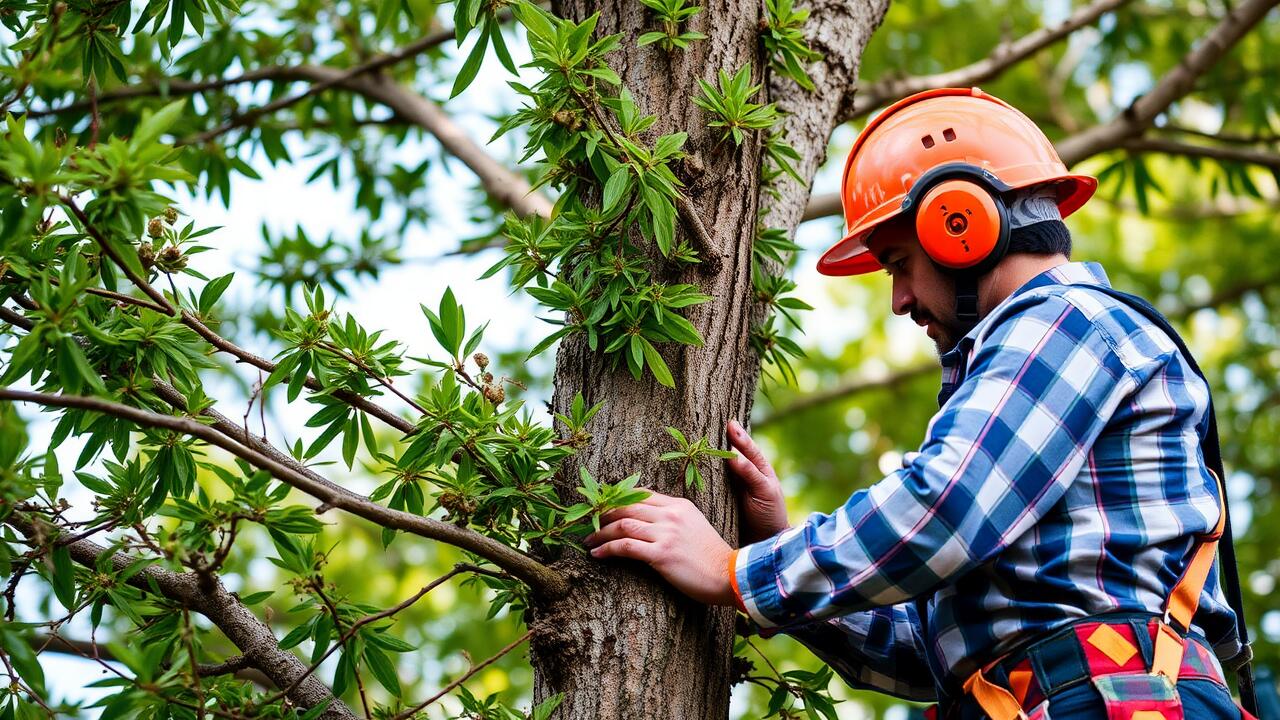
pixel 1045 551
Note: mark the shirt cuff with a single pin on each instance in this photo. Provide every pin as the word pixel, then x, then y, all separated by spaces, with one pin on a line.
pixel 755 587
pixel 733 581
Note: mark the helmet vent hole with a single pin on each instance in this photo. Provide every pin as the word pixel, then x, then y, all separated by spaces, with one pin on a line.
pixel 949 135
pixel 927 141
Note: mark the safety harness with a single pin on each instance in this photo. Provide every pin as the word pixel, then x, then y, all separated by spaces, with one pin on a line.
pixel 1169 631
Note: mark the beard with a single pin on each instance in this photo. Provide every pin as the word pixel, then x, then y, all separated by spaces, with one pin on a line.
pixel 945 334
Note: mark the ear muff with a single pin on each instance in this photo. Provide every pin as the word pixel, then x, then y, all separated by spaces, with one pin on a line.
pixel 959 224
pixel 961 221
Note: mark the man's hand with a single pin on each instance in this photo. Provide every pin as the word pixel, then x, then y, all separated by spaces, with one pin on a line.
pixel 764 510
pixel 671 535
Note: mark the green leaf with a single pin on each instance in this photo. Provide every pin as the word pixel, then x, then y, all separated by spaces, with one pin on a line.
pixel 383 669
pixel 299 378
pixel 546 707
pixel 548 341
pixel 63 577
pixel 664 223
pixel 213 290
pixel 472 64
pixel 153 126
pixel 650 37
pixel 23 659
pixel 351 440
pixel 255 598
pixel 677 436
pixel 616 187
pixel 657 365
pixel 296 636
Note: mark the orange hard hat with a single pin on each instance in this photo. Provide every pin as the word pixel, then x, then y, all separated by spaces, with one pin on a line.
pixel 946 126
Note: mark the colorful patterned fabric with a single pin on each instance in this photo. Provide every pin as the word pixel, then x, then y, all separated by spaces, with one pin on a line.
pixel 1061 478
pixel 1112 657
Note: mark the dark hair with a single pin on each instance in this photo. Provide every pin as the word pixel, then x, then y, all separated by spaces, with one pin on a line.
pixel 1050 237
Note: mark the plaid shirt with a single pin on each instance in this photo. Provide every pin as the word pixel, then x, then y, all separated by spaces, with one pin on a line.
pixel 1061 478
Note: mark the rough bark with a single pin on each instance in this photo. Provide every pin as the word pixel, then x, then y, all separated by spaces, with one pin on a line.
pixel 623 644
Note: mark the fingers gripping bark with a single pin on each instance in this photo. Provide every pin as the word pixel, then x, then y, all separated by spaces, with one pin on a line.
pixel 764 508
pixel 672 536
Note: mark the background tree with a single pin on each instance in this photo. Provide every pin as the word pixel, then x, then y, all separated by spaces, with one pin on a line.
pixel 656 162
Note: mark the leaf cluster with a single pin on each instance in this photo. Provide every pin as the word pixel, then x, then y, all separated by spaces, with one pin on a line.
pixel 671 14
pixel 689 453
pixel 616 190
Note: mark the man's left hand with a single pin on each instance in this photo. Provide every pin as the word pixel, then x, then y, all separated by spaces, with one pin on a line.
pixel 674 537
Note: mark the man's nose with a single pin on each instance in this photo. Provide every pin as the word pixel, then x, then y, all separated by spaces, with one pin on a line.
pixel 903 300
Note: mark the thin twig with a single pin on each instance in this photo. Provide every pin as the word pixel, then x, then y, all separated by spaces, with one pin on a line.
pixel 384 382
pixel 456 570
pixel 426 42
pixel 318 586
pixel 475 669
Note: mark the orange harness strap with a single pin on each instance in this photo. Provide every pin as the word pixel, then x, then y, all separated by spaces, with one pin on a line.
pixel 995 701
pixel 999 704
pixel 1185 598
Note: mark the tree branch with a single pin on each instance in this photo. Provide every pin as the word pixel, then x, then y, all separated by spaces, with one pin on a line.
pixel 1252 156
pixel 503 185
pixel 353 399
pixel 374 64
pixel 539 577
pixel 350 632
pixel 244 629
pixel 1253 139
pixel 219 342
pixel 240 665
pixel 1175 84
pixel 845 389
pixel 1135 119
pixel 861 101
pixel 178 87
pixel 500 183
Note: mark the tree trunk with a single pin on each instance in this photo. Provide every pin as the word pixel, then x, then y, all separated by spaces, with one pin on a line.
pixel 624 644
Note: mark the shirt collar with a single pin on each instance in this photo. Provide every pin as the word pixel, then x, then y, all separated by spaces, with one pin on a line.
pixel 1068 273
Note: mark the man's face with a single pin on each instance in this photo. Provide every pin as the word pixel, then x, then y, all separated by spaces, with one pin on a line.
pixel 920 289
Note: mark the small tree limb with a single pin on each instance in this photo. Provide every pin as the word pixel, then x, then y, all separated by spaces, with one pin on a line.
pixel 240 665
pixel 1174 85
pixel 178 87
pixel 163 305
pixel 539 577
pixel 413 711
pixel 1251 156
pixel 244 629
pixel 862 101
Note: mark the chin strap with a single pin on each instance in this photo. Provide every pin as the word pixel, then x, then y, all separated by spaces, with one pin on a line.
pixel 967 298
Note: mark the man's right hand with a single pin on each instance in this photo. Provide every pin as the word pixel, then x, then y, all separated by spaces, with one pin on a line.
pixel 764 510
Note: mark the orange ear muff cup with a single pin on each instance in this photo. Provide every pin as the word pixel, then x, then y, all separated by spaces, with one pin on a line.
pixel 958 223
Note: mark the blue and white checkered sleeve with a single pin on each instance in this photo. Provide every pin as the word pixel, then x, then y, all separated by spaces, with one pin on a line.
pixel 879 649
pixel 1041 386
